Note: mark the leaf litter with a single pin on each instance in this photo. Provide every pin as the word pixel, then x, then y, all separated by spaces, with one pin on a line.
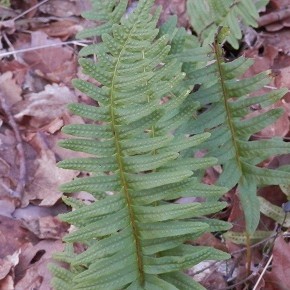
pixel 38 61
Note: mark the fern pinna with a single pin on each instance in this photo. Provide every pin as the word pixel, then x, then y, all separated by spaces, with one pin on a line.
pixel 134 235
pixel 228 104
pixel 207 15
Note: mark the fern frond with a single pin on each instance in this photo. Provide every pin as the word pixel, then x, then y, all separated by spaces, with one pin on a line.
pixel 107 12
pixel 134 236
pixel 228 119
pixel 207 16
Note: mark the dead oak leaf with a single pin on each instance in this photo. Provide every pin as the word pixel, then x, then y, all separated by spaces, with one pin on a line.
pixel 7 263
pixel 47 179
pixel 9 88
pixel 46 105
pixel 32 267
pixel 64 8
pixel 47 227
pixel 18 69
pixel 62 29
pixel 54 63
pixel 279 276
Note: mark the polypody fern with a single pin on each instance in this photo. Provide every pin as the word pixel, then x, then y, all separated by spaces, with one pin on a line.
pixel 134 235
pixel 227 118
pixel 207 15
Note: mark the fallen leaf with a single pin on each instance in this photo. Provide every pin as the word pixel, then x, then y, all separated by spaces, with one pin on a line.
pixel 46 105
pixel 44 188
pixel 279 276
pixel 7 263
pixel 64 8
pixel 7 283
pixel 35 212
pixel 47 227
pixel 9 88
pixel 18 69
pixel 32 268
pixel 54 63
pixel 173 7
pixel 62 29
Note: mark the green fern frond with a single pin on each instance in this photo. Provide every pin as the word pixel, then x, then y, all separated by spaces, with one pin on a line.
pixel 134 236
pixel 228 118
pixel 107 12
pixel 207 16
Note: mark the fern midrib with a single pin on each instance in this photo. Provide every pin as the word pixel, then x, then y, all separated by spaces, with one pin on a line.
pixel 217 51
pixel 124 182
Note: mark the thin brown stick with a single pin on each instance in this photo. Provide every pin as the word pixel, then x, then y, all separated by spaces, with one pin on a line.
pixel 10 45
pixel 18 192
pixel 249 255
pixel 74 42
pixel 263 272
pixel 30 9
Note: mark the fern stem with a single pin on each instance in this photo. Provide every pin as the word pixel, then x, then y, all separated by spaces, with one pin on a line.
pixel 219 58
pixel 249 255
pixel 120 163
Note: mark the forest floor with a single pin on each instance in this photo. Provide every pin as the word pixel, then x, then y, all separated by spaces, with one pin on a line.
pixel 38 60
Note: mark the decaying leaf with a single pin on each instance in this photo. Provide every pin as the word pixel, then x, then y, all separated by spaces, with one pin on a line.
pixel 9 89
pixel 32 268
pixel 46 105
pixel 279 276
pixel 47 178
pixel 54 63
pixel 48 227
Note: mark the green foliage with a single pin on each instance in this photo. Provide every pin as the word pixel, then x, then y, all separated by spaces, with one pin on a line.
pixel 135 236
pixel 242 237
pixel 228 118
pixel 207 16
pixel 142 146
pixel 5 3
pixel 274 212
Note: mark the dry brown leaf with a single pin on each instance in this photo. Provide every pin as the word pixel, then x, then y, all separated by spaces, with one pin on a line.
pixel 47 227
pixel 12 237
pixel 62 29
pixel 262 60
pixel 47 179
pixel 9 161
pixel 55 63
pixel 32 268
pixel 36 212
pixel 18 69
pixel 279 4
pixel 64 8
pixel 7 207
pixel 9 88
pixel 8 26
pixel 173 7
pixel 46 105
pixel 279 276
pixel 7 263
pixel 7 283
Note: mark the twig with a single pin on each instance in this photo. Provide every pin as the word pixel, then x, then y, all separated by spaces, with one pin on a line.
pixel 274 17
pixel 79 43
pixel 10 45
pixel 30 9
pixel 18 192
pixel 263 272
